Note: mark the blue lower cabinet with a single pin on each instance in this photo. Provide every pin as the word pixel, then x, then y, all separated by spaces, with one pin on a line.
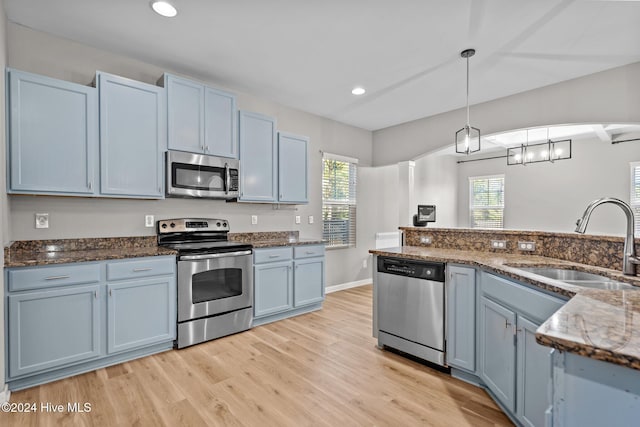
pixel 287 282
pixel 53 328
pixel 140 313
pixel 498 357
pixel 66 319
pixel 534 375
pixel 461 318
pixel 273 291
pixel 308 281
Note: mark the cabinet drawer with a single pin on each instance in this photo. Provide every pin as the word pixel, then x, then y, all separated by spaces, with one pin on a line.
pixel 140 268
pixel 539 306
pixel 48 277
pixel 308 251
pixel 272 254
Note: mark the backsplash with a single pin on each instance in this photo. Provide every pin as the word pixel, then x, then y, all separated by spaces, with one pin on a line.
pixel 600 251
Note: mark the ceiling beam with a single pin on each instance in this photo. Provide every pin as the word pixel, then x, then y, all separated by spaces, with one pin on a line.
pixel 602 133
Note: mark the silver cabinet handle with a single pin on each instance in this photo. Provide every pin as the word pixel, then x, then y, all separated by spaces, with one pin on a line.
pixel 56 277
pixel 137 270
pixel 274 256
pixel 159 189
pixel 90 185
pixel 95 294
pixel 506 323
pixel 110 293
pixel 310 252
pixel 281 196
pixel 227 178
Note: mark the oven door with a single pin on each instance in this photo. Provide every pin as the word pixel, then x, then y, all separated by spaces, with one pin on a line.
pixel 211 284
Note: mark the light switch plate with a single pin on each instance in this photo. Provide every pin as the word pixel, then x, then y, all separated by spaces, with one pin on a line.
pixel 297 219
pixel 148 221
pixel 42 220
pixel 254 219
pixel 310 219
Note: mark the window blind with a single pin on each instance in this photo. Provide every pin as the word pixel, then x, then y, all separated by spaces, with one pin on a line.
pixel 486 201
pixel 635 195
pixel 339 180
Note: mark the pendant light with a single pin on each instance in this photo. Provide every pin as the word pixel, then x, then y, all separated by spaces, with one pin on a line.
pixel 468 138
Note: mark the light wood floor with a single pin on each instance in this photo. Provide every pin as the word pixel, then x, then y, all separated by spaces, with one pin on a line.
pixel 320 369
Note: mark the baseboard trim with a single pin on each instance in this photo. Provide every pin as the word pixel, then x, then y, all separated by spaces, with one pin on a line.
pixel 5 394
pixel 348 285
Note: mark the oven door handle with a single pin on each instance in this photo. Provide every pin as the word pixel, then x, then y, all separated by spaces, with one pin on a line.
pixel 210 256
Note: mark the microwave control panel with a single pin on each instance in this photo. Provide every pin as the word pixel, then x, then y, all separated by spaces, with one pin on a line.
pixel 233 174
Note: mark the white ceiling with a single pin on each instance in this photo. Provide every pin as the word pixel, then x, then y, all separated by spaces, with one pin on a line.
pixel 310 54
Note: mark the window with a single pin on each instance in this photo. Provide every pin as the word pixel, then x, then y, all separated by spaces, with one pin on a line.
pixel 635 194
pixel 339 201
pixel 486 201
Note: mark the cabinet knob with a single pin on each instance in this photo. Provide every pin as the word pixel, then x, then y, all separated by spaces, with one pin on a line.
pixel 89 184
pixel 95 294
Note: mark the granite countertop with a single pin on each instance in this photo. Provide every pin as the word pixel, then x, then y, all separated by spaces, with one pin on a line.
pixel 276 238
pixel 595 323
pixel 29 253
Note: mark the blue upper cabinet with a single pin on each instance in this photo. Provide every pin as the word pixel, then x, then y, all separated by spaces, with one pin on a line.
pixel 132 137
pixel 200 119
pixel 220 123
pixel 292 168
pixel 53 135
pixel 258 158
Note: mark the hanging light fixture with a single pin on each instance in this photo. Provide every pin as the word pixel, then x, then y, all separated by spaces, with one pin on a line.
pixel 548 151
pixel 468 138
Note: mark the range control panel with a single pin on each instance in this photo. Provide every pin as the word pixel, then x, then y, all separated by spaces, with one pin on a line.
pixel 410 268
pixel 181 225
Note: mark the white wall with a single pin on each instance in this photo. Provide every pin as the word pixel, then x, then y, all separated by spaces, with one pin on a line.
pixel 436 183
pixel 551 197
pixel 4 208
pixel 37 52
pixel 607 97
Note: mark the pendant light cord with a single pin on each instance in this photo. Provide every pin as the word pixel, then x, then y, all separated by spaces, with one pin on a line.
pixel 467 91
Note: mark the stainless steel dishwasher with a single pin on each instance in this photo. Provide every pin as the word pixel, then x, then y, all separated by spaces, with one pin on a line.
pixel 410 305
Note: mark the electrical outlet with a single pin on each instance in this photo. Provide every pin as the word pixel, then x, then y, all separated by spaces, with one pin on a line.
pixel 498 244
pixel 527 246
pixel 364 263
pixel 426 240
pixel 310 219
pixel 42 220
pixel 297 219
pixel 254 219
pixel 148 221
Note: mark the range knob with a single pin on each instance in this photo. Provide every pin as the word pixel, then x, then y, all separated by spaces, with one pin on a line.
pixel 164 226
pixel 224 224
pixel 218 223
pixel 173 225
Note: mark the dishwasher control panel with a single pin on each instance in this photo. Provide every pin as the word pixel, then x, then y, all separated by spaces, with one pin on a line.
pixel 412 268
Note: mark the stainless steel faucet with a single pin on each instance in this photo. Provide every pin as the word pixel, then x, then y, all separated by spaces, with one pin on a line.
pixel 629 260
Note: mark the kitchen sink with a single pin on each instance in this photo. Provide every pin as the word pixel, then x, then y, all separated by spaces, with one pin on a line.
pixel 578 278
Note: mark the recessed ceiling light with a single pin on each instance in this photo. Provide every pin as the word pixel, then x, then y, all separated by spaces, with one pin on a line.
pixel 164 8
pixel 358 91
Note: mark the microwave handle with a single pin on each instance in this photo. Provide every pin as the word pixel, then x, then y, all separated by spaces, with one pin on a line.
pixel 227 178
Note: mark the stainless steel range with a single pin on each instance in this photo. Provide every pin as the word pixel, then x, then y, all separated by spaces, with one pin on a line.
pixel 215 279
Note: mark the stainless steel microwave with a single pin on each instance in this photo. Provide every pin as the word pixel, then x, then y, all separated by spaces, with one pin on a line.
pixel 197 175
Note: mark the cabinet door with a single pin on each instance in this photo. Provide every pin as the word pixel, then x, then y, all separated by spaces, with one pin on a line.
pixel 220 123
pixel 308 281
pixel 258 158
pixel 461 318
pixel 273 288
pixel 132 137
pixel 50 329
pixel 292 168
pixel 53 135
pixel 498 356
pixel 185 114
pixel 140 313
pixel 534 375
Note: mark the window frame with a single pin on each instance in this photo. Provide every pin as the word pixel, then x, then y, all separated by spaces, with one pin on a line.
pixel 351 203
pixel 634 194
pixel 471 200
